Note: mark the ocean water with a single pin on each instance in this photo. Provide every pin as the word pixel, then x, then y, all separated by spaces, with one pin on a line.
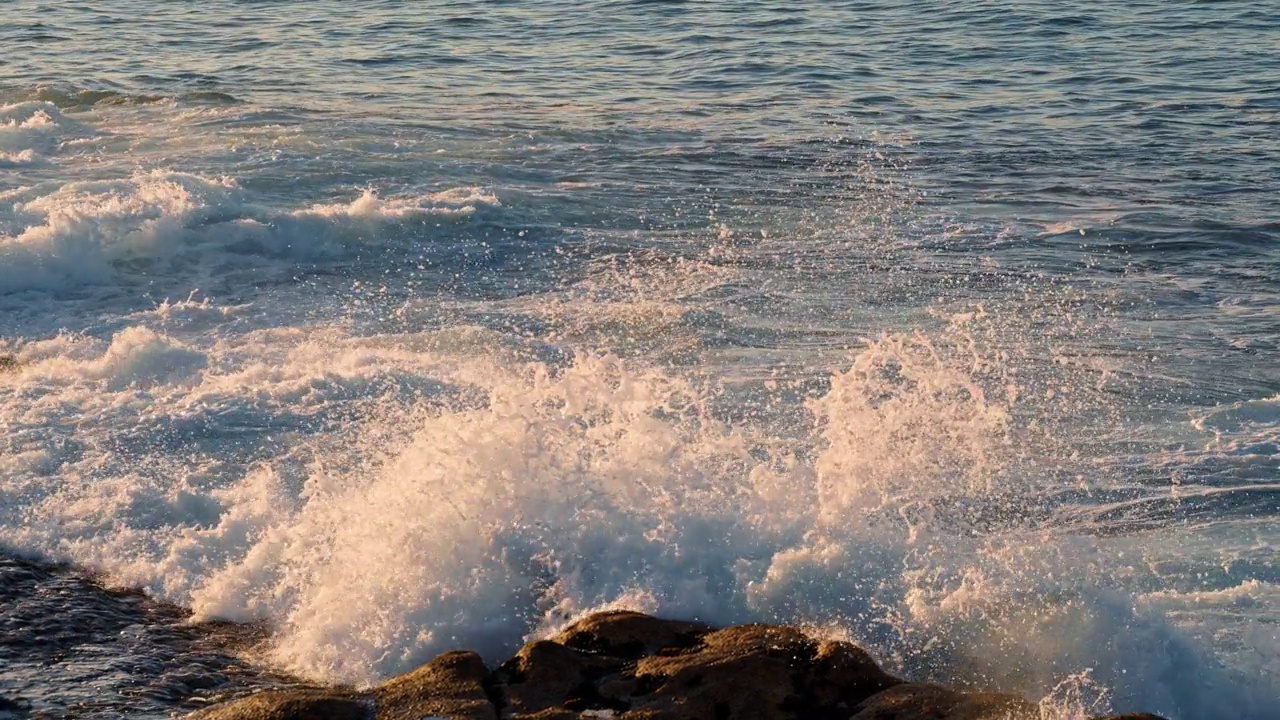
pixel 380 329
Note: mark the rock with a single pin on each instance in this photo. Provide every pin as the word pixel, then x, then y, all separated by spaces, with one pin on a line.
pixel 636 667
pixel 451 686
pixel 547 676
pixel 631 635
pixel 842 672
pixel 8 363
pixel 629 666
pixel 289 705
pixel 912 701
pixel 756 671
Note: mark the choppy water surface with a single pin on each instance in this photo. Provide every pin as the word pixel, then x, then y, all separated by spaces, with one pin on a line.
pixel 390 328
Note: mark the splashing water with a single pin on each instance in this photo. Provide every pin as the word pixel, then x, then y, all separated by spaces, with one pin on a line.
pixel 454 367
pixel 514 492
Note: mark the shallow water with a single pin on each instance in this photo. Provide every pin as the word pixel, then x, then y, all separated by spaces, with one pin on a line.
pixel 951 328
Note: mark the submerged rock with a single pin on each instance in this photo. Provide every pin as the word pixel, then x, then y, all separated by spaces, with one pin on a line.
pixel 631 666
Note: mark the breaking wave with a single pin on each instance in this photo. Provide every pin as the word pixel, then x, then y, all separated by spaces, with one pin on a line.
pixel 466 488
pixel 96 232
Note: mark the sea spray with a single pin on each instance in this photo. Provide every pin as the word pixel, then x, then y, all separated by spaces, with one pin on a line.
pixel 497 492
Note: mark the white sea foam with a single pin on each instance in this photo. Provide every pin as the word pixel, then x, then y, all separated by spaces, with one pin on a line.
pixel 135 358
pixel 94 232
pixel 18 159
pixel 1250 594
pixel 19 122
pixel 30 131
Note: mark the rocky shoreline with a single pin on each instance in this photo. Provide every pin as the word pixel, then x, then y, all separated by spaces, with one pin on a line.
pixel 631 666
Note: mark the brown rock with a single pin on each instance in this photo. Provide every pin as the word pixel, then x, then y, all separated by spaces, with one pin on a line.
pixel 546 676
pixel 742 672
pixel 911 701
pixel 842 674
pixel 631 635
pixel 756 671
pixel 290 705
pixel 630 666
pixel 451 686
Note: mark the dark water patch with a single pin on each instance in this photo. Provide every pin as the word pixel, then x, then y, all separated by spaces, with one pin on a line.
pixel 70 98
pixel 1072 21
pixel 465 21
pixel 71 647
pixel 210 97
pixel 1178 508
pixel 73 98
pixel 375 60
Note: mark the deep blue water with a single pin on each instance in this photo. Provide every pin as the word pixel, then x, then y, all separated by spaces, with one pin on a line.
pixel 394 327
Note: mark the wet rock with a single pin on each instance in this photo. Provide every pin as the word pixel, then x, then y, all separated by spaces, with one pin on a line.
pixel 911 701
pixel 451 686
pixel 756 671
pixel 547 676
pixel 289 705
pixel 631 635
pixel 636 667
pixel 8 363
pixel 629 666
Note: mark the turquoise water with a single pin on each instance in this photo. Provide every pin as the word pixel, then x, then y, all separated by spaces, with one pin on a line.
pixel 391 327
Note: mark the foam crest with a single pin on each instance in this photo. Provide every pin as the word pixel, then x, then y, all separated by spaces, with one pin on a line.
pixel 187 315
pixel 99 231
pixel 1249 429
pixel 135 358
pixel 72 98
pixel 80 232
pixel 92 422
pixel 34 129
pixel 18 159
pixel 370 206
